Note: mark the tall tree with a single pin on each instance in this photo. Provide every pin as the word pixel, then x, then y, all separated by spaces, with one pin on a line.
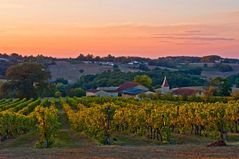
pixel 144 80
pixel 237 82
pixel 222 85
pixel 26 79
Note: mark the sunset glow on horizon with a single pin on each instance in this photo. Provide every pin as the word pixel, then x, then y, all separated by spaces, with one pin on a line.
pixel 153 28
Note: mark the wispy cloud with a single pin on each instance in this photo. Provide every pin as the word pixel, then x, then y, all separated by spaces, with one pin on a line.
pixel 192 43
pixel 183 34
pixel 234 13
pixel 195 38
pixel 193 31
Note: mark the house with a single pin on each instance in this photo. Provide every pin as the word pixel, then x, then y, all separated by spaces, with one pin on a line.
pixel 132 92
pixel 91 92
pixel 108 91
pixel 107 63
pixel 103 92
pixel 165 88
pixel 131 89
pixel 189 91
pixel 134 63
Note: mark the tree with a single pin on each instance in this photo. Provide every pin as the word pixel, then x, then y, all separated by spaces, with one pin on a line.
pixel 116 68
pixel 26 79
pixel 58 94
pixel 237 82
pixel 61 80
pixel 82 71
pixel 46 90
pixel 211 58
pixel 224 68
pixel 210 91
pixel 144 80
pixel 225 89
pixel 143 67
pixel 76 92
pixel 222 85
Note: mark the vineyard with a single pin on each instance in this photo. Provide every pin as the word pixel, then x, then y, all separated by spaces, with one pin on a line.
pixel 105 119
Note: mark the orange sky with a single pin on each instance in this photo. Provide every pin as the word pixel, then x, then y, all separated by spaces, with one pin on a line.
pixel 65 28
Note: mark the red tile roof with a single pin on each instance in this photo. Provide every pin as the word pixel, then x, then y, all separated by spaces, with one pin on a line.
pixel 185 92
pixel 127 85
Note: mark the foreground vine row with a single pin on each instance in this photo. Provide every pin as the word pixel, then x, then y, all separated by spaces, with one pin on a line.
pixel 23 116
pixel 156 120
pixel 102 118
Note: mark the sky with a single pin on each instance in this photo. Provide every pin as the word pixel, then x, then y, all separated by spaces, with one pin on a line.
pixel 146 28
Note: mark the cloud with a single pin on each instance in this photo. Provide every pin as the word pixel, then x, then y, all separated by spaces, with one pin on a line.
pixel 183 34
pixel 234 13
pixel 193 31
pixel 193 43
pixel 199 38
pixel 190 35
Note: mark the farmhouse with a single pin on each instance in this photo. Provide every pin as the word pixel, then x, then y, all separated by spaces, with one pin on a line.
pixel 131 89
pixel 128 89
pixel 189 91
pixel 103 92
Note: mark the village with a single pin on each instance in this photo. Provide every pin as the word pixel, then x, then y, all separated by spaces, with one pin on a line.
pixel 133 89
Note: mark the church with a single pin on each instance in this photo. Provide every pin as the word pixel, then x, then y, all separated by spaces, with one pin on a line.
pixel 181 91
pixel 165 88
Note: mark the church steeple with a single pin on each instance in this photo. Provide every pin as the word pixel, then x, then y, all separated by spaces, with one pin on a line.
pixel 165 83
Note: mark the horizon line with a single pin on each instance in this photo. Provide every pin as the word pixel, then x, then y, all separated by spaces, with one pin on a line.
pixel 111 54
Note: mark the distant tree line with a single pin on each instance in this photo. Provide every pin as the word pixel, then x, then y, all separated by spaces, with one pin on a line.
pixel 169 61
pixel 116 77
pixel 233 80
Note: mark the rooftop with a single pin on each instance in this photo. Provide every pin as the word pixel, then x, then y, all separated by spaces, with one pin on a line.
pixel 133 91
pixel 127 85
pixel 186 91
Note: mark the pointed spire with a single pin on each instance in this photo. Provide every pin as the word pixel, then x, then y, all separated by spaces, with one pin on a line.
pixel 165 83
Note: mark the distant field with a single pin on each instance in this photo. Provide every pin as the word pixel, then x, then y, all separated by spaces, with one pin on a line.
pixel 72 72
pixel 210 73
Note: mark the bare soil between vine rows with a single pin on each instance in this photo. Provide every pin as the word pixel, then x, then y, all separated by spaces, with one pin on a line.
pixel 124 152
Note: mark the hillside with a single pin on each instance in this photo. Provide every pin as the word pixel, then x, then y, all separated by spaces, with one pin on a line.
pixel 72 69
pixel 73 72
